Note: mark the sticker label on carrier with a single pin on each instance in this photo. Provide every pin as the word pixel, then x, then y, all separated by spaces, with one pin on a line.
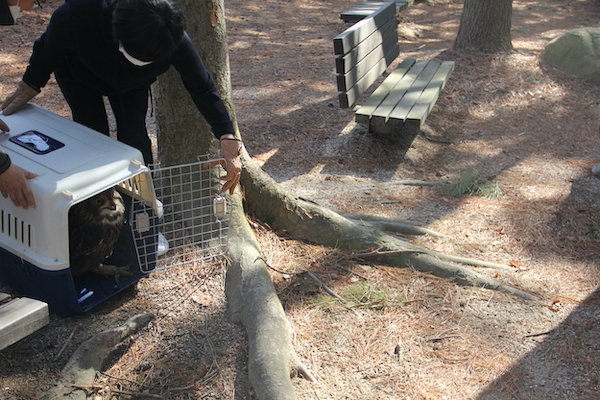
pixel 37 142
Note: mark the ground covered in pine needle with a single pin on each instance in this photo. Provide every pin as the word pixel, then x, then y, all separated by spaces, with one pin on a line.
pixel 399 334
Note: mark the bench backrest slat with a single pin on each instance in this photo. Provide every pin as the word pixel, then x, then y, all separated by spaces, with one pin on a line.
pixel 381 53
pixel 364 51
pixel 345 41
pixel 386 36
pixel 365 9
pixel 349 97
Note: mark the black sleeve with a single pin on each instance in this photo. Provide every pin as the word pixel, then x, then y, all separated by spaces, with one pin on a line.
pixel 4 161
pixel 49 49
pixel 201 87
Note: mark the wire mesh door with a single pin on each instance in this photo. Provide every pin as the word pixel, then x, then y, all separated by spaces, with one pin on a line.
pixel 188 221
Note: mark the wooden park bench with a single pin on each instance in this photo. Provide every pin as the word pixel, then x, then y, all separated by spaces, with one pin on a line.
pixel 20 317
pixel 367 8
pixel 406 96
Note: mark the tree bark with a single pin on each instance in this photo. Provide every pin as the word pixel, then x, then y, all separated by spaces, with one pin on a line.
pixel 183 134
pixel 485 26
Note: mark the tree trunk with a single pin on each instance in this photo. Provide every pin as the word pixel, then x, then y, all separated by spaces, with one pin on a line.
pixel 183 132
pixel 485 26
pixel 182 136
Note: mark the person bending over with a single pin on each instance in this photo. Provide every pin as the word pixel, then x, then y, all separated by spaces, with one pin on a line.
pixel 117 49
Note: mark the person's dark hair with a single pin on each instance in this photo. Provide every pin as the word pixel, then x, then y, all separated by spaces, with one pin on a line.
pixel 149 30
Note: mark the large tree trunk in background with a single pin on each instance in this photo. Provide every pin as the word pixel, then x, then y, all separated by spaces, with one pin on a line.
pixel 485 26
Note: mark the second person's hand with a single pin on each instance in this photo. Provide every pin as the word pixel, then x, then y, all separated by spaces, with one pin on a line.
pixel 18 98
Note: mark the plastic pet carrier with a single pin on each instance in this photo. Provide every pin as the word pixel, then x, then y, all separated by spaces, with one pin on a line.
pixel 173 215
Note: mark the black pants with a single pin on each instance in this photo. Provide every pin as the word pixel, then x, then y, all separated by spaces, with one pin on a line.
pixel 87 107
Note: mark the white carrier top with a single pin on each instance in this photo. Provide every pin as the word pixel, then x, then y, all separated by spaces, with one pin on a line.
pixel 73 163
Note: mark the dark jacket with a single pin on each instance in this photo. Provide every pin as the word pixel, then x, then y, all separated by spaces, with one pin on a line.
pixel 79 37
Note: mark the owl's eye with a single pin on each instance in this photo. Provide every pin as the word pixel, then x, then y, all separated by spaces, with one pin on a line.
pixel 98 201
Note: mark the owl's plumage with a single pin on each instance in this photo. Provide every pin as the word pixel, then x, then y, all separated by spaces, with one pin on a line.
pixel 94 227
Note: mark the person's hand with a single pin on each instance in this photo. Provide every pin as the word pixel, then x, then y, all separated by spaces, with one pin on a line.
pixel 230 152
pixel 18 98
pixel 13 184
pixel 3 126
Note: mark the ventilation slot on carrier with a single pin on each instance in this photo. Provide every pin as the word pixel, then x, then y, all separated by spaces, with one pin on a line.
pixel 16 229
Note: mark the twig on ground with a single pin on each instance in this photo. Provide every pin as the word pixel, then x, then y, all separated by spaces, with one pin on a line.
pixel 352 272
pixel 538 334
pixel 331 292
pixel 66 342
pixel 139 394
pixel 413 182
pixel 117 378
pixel 415 49
pixel 324 286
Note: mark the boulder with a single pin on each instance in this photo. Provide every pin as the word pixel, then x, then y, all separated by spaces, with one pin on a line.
pixel 576 52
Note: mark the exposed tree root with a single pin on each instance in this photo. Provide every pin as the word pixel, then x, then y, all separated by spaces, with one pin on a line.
pixel 308 221
pixel 387 224
pixel 80 371
pixel 252 300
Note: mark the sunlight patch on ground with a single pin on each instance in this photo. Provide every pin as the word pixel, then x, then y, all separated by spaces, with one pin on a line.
pixel 261 159
pixel 253 92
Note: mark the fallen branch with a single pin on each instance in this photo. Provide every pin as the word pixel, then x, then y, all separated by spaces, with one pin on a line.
pixel 66 342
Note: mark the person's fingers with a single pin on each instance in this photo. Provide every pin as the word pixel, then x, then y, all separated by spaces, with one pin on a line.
pixel 231 184
pixel 19 97
pixel 4 127
pixel 6 105
pixel 18 200
pixel 234 169
pixel 211 164
pixel 27 199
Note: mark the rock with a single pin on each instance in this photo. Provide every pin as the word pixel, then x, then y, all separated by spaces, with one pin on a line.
pixel 576 52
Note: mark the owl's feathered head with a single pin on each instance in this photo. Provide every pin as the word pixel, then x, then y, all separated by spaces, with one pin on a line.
pixel 106 207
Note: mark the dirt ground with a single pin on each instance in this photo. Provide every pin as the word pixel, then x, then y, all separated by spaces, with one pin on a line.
pixel 409 335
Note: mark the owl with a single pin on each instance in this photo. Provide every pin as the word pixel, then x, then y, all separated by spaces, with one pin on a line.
pixel 94 227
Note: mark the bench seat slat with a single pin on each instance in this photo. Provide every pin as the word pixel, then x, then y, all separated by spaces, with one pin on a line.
pixel 428 98
pixel 399 92
pixel 21 317
pixel 364 113
pixel 412 95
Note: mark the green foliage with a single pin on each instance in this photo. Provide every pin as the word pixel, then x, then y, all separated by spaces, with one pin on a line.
pixel 472 183
pixel 593 232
